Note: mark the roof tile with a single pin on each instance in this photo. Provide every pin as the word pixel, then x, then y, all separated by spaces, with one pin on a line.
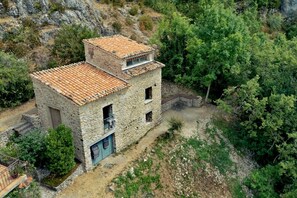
pixel 81 82
pixel 119 45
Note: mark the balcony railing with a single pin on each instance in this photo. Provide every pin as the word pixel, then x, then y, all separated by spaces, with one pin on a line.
pixel 109 123
pixel 8 166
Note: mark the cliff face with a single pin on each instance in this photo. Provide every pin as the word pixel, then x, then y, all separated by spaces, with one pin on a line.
pixel 51 13
pixel 289 7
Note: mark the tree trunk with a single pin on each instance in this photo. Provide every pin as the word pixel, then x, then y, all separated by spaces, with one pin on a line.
pixel 207 94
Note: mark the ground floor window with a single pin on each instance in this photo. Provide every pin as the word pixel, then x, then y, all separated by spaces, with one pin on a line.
pixel 149 117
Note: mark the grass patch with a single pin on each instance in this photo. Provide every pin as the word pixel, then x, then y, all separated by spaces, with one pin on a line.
pixel 142 181
pixel 236 189
pixel 53 180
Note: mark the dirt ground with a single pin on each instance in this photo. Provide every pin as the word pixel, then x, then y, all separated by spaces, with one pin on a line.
pixel 12 116
pixel 95 183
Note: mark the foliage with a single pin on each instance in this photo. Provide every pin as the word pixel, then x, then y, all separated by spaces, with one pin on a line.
pixel 275 21
pixel 117 26
pixel 10 150
pixel 142 180
pixel 60 150
pixel 171 37
pixel 145 22
pixel 32 147
pixel 33 191
pixel 263 181
pixel 56 7
pixel 54 180
pixel 134 10
pixel 175 125
pixel 68 46
pixel 15 84
pixel 165 7
pixel 5 4
pixel 21 40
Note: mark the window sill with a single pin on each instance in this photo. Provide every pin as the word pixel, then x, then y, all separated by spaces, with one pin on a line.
pixel 148 101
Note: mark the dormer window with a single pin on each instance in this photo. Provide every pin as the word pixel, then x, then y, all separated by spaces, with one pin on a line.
pixel 136 60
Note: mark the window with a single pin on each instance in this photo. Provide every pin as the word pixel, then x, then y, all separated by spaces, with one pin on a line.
pixel 108 118
pixel 149 93
pixel 136 60
pixel 149 117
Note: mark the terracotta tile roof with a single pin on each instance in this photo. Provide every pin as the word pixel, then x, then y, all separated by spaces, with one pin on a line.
pixel 119 45
pixel 135 71
pixel 81 82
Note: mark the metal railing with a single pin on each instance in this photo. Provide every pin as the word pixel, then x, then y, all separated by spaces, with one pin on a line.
pixel 109 123
pixel 9 166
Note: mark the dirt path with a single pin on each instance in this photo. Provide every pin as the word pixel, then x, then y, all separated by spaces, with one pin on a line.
pixel 12 116
pixel 95 183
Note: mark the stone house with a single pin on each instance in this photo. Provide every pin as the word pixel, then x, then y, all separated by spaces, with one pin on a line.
pixel 109 101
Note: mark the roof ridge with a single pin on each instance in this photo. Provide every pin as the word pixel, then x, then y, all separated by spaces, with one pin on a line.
pixel 58 68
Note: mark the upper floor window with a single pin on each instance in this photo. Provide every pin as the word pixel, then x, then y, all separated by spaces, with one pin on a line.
pixel 137 60
pixel 148 93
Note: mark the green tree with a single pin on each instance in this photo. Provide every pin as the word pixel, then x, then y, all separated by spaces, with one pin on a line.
pixel 32 147
pixel 68 46
pixel 15 83
pixel 171 37
pixel 219 47
pixel 60 150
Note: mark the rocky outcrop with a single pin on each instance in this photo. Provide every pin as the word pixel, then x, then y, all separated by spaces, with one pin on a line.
pixel 289 7
pixel 52 13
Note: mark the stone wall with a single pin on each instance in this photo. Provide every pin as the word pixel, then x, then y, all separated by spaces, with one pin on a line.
pixel 180 99
pixel 104 60
pixel 129 109
pixel 46 97
pixel 4 136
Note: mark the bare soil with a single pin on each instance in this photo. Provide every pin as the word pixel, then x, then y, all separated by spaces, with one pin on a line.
pixel 12 116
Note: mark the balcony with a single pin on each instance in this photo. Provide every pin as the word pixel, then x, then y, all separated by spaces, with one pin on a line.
pixel 109 124
pixel 10 176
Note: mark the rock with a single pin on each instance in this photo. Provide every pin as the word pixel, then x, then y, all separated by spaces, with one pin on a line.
pixel 111 187
pixel 108 165
pixel 131 171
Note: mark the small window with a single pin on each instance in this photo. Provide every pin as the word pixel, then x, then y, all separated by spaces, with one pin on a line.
pixel 149 93
pixel 137 60
pixel 149 117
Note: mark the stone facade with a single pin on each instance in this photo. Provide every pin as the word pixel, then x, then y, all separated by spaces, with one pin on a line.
pixel 133 114
pixel 46 98
pixel 129 109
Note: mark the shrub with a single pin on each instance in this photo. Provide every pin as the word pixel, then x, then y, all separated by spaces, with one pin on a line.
pixel 134 10
pixel 55 6
pixel 60 150
pixel 275 21
pixel 32 147
pixel 174 125
pixel 263 181
pixel 129 21
pixel 145 22
pixel 5 4
pixel 15 84
pixel 68 46
pixel 117 26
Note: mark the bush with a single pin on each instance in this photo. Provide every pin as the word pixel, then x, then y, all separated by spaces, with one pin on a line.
pixel 145 22
pixel 134 10
pixel 32 147
pixel 15 84
pixel 174 125
pixel 275 21
pixel 263 181
pixel 117 26
pixel 129 21
pixel 5 4
pixel 68 46
pixel 60 150
pixel 55 6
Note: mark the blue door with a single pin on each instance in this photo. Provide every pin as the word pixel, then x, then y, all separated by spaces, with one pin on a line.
pixel 102 149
